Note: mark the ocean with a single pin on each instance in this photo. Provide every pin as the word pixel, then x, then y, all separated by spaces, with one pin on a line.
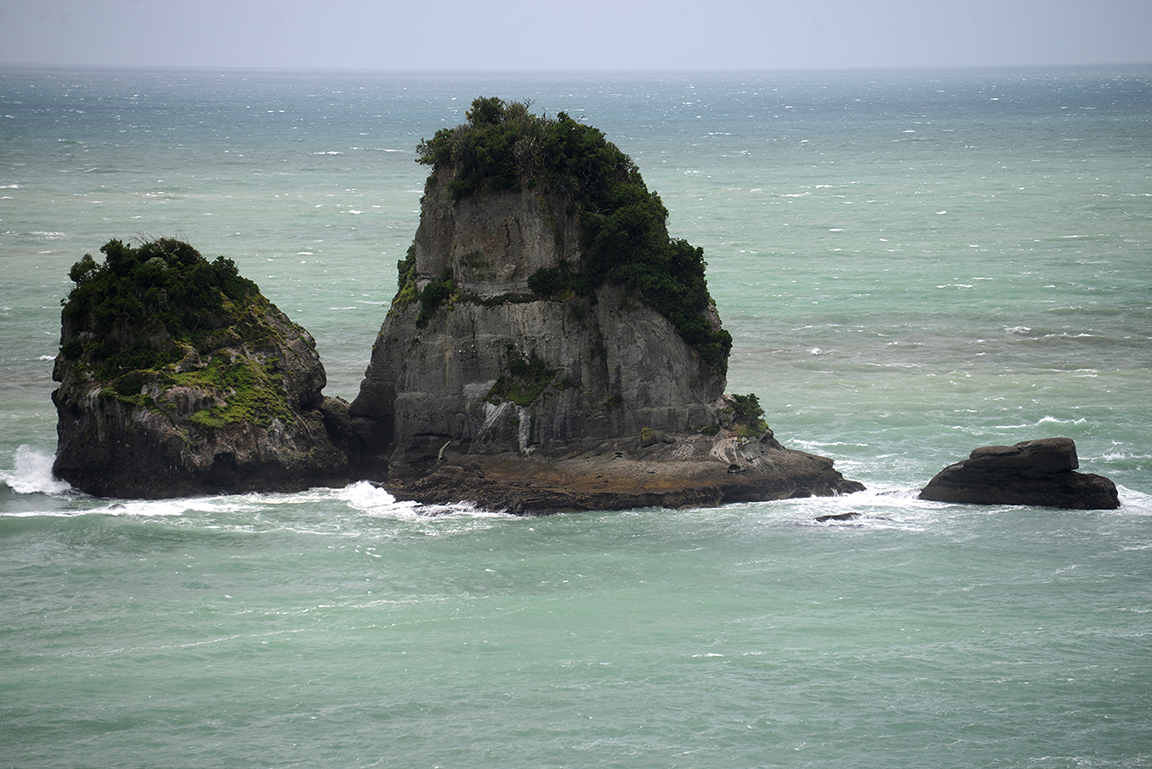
pixel 911 264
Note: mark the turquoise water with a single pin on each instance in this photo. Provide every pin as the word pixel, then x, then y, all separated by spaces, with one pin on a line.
pixel 911 264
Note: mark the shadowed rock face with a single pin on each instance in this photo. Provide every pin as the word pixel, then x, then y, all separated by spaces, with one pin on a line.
pixel 180 394
pixel 1040 472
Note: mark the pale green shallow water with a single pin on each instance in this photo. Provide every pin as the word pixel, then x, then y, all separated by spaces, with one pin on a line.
pixel 912 265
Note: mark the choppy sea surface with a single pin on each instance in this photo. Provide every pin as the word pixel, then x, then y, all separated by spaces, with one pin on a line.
pixel 912 264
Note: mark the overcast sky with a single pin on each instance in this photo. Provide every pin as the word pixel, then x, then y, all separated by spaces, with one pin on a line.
pixel 538 35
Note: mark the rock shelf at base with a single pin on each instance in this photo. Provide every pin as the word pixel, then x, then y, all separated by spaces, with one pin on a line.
pixel 687 471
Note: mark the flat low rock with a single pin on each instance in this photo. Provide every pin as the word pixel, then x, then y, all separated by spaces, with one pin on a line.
pixel 680 471
pixel 1038 472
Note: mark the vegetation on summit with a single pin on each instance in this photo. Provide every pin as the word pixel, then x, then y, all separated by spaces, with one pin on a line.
pixel 163 281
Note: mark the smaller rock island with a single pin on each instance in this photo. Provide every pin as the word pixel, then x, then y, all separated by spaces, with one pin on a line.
pixel 178 377
pixel 1038 472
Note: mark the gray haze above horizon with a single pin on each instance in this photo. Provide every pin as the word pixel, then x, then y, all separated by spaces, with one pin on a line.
pixel 519 35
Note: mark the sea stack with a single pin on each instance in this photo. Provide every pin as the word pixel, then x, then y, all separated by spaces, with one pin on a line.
pixel 551 348
pixel 178 377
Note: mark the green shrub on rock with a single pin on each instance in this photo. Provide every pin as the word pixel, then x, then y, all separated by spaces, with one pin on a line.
pixel 166 283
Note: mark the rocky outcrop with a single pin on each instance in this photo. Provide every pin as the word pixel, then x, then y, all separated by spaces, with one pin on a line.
pixel 529 364
pixel 177 377
pixel 1039 472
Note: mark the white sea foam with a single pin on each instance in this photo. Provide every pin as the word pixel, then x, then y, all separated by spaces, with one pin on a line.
pixel 161 508
pixel 32 474
pixel 374 500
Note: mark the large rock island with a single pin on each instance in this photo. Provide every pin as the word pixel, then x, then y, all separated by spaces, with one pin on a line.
pixel 551 348
pixel 178 377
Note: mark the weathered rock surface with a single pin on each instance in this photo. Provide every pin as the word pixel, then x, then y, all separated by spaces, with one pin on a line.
pixel 571 400
pixel 1039 472
pixel 150 409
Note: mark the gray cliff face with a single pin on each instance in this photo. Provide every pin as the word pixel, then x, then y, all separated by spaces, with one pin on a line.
pixel 500 369
pixel 492 243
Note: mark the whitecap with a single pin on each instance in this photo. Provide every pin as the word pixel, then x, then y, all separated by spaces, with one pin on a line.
pixel 32 474
pixel 1054 420
pixel 1116 456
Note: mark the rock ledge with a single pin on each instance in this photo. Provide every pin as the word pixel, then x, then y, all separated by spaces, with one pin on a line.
pixel 678 471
